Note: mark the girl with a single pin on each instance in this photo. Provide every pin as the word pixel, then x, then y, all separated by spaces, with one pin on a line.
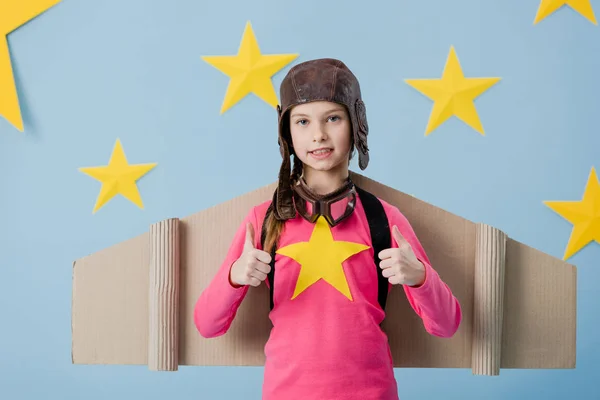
pixel 326 342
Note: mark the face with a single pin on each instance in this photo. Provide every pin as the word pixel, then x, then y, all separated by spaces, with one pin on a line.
pixel 321 136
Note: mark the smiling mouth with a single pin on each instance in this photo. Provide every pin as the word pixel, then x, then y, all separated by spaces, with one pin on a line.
pixel 320 152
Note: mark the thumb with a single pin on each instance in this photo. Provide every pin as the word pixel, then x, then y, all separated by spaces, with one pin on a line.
pixel 249 236
pixel 400 240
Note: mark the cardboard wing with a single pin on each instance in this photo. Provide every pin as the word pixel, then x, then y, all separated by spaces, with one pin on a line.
pixel 133 302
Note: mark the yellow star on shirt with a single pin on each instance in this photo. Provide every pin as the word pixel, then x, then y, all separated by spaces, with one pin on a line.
pixel 14 13
pixel 118 177
pixel 583 7
pixel 453 94
pixel 321 258
pixel 583 214
pixel 250 71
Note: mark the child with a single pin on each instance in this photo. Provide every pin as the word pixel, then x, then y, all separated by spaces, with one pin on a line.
pixel 326 342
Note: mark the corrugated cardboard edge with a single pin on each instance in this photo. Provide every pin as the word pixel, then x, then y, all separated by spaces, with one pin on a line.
pixel 163 296
pixel 488 300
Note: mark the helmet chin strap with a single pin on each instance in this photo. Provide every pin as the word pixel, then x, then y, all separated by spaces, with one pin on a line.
pixel 323 205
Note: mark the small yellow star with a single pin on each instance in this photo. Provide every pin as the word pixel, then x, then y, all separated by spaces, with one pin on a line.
pixel 583 214
pixel 250 71
pixel 322 257
pixel 14 13
pixel 453 94
pixel 118 177
pixel 583 7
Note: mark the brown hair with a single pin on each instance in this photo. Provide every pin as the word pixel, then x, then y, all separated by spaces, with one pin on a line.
pixel 273 226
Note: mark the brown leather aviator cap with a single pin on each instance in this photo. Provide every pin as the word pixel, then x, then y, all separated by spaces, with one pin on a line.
pixel 324 79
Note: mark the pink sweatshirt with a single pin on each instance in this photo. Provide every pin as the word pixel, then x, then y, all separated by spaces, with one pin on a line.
pixel 323 344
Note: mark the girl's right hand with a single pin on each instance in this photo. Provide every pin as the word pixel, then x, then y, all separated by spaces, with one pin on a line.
pixel 253 265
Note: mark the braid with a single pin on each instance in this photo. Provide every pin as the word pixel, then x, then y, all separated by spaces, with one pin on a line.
pixel 274 226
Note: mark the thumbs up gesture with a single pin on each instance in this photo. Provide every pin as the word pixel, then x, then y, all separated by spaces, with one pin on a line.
pixel 253 265
pixel 400 265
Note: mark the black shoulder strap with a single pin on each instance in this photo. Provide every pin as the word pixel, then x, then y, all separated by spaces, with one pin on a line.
pixel 271 274
pixel 380 238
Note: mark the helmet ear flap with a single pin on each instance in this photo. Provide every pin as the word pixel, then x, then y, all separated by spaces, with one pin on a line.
pixel 284 208
pixel 361 131
pixel 284 132
pixel 283 202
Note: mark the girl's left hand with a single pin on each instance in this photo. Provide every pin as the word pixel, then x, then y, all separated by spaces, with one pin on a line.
pixel 400 265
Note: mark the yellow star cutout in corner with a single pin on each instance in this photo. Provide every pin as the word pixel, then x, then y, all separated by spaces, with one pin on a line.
pixel 118 177
pixel 249 71
pixel 453 94
pixel 321 258
pixel 583 214
pixel 14 13
pixel 583 7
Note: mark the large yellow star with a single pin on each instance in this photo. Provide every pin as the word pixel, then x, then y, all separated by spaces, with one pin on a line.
pixel 118 177
pixel 583 214
pixel 321 258
pixel 583 7
pixel 250 71
pixel 453 94
pixel 14 13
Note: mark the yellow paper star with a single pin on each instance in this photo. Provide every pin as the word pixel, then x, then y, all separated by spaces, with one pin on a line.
pixel 250 71
pixel 118 177
pixel 14 13
pixel 583 214
pixel 583 7
pixel 453 94
pixel 322 257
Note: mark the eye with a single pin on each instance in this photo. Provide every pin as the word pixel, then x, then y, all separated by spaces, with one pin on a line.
pixel 334 118
pixel 301 121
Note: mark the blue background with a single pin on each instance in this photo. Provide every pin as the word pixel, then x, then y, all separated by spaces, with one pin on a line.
pixel 89 72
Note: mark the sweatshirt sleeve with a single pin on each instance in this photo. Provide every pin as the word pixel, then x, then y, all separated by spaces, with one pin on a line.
pixel 217 305
pixel 433 301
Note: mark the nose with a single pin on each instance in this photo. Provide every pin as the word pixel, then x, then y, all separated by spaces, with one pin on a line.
pixel 319 134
